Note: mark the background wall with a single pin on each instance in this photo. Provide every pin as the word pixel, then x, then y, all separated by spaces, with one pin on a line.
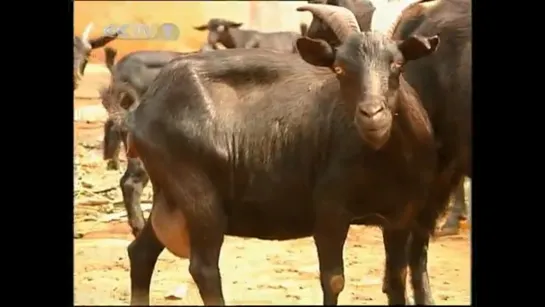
pixel 259 15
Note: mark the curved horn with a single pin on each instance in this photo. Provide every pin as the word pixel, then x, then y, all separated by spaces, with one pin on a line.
pixel 341 20
pixel 413 9
pixel 86 32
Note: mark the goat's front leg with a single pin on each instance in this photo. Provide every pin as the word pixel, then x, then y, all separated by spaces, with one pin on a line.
pixel 143 254
pixel 395 273
pixel 330 233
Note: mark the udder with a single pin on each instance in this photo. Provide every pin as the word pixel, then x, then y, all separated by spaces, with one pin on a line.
pixel 170 227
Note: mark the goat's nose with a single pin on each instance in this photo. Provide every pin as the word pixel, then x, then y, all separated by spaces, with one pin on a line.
pixel 370 109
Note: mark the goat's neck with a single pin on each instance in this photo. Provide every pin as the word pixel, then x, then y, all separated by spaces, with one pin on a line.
pixel 411 120
pixel 237 38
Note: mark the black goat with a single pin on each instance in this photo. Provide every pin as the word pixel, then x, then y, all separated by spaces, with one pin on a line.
pixel 82 50
pixel 443 81
pixel 255 143
pixel 228 34
pixel 412 17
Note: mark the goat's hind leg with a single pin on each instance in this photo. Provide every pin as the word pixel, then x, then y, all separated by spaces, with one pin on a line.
pixel 456 213
pixel 196 197
pixel 143 253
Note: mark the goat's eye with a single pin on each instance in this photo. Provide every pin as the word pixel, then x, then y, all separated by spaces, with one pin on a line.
pixel 338 70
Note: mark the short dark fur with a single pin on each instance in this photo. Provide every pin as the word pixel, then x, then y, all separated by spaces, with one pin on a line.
pixel 233 37
pixel 254 143
pixel 279 41
pixel 134 71
pixel 362 9
pixel 82 51
pixel 444 84
pixel 137 70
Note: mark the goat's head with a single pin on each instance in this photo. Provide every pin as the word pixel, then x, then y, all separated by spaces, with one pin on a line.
pixel 362 9
pixel 117 98
pixel 368 66
pixel 82 50
pixel 218 30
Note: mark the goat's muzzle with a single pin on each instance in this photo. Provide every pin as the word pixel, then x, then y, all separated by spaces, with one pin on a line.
pixel 374 123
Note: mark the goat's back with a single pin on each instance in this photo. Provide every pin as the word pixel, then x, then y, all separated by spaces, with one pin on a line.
pixel 444 80
pixel 139 68
pixel 279 41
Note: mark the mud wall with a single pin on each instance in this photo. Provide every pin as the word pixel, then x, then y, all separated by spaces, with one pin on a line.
pixel 259 15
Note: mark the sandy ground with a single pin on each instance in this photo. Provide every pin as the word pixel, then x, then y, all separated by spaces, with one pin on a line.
pixel 254 271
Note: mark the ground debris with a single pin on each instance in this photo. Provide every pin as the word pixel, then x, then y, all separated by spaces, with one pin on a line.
pixel 92 202
pixel 116 216
pixel 178 293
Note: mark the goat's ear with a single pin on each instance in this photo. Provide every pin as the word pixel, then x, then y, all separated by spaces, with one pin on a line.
pixel 102 41
pixel 315 51
pixel 416 47
pixel 201 28
pixel 234 24
pixel 303 27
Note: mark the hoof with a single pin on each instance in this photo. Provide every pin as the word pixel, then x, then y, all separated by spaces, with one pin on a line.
pixel 448 231
pixel 112 165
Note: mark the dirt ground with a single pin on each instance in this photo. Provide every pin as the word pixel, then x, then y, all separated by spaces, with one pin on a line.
pixel 253 271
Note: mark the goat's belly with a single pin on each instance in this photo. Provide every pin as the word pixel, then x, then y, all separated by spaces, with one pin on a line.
pixel 170 227
pixel 271 221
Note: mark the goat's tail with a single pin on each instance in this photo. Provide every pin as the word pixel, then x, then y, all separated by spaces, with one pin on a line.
pixel 109 56
pixel 304 28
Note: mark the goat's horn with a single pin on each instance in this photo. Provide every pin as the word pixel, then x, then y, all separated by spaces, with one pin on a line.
pixel 414 8
pixel 86 32
pixel 339 19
